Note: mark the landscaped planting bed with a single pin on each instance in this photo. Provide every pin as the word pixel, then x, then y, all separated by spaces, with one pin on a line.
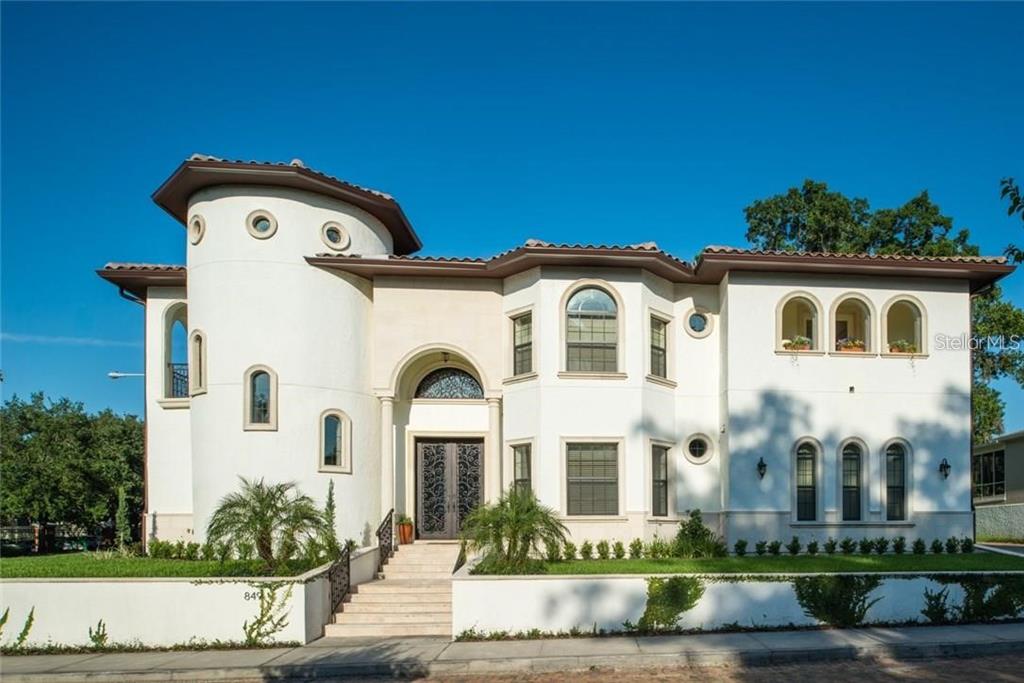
pixel 115 565
pixel 802 564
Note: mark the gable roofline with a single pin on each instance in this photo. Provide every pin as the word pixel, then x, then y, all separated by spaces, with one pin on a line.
pixel 200 171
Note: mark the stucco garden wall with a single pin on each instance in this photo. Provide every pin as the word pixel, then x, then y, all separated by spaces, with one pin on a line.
pixel 999 521
pixel 485 604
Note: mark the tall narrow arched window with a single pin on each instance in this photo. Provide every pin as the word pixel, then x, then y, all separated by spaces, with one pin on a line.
pixel 852 326
pixel 904 323
pixel 895 482
pixel 591 332
pixel 851 482
pixel 806 482
pixel 449 383
pixel 335 442
pixel 260 387
pixel 797 324
pixel 176 382
pixel 197 363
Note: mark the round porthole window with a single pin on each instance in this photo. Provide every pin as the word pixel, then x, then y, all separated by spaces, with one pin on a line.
pixel 334 235
pixel 261 224
pixel 196 229
pixel 698 449
pixel 698 323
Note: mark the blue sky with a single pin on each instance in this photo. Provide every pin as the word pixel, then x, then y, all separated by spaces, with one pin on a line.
pixel 490 124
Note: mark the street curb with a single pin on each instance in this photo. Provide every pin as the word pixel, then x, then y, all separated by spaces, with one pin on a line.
pixel 410 669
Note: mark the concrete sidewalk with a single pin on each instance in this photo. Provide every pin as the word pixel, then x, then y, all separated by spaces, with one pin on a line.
pixel 417 657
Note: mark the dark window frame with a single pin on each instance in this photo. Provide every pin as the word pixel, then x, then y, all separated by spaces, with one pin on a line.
pixel 851 473
pixel 659 353
pixel 988 474
pixel 807 493
pixel 659 479
pixel 896 486
pixel 522 452
pixel 522 351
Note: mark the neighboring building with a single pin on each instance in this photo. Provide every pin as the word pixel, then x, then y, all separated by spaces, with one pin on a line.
pixel 997 481
pixel 781 394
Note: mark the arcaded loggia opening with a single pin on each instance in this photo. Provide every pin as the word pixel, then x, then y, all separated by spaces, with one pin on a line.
pixel 903 325
pixel 851 326
pixel 798 325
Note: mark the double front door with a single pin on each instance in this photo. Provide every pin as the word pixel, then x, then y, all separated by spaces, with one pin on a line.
pixel 449 484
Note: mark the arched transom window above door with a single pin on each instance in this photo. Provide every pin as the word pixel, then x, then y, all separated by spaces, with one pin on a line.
pixel 449 383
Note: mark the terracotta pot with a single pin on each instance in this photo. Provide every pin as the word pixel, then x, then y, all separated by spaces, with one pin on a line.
pixel 799 347
pixel 852 349
pixel 893 349
pixel 405 533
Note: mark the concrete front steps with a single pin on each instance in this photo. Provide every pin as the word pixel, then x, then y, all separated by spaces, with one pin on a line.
pixel 412 597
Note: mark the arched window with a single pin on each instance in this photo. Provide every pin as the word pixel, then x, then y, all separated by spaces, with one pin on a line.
pixel 895 482
pixel 904 327
pixel 449 383
pixel 806 482
pixel 335 442
pixel 176 382
pixel 197 363
pixel 797 324
pixel 260 398
pixel 851 326
pixel 591 332
pixel 851 482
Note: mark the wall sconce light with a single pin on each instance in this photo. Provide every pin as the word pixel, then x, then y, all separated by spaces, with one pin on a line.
pixel 762 467
pixel 944 468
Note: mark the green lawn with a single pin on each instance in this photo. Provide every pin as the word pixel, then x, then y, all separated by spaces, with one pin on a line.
pixel 977 561
pixel 102 565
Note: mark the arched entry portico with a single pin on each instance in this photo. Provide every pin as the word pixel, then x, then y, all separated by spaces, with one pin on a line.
pixel 440 439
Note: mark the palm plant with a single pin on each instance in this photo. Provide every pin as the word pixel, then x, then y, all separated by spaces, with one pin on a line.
pixel 276 519
pixel 509 531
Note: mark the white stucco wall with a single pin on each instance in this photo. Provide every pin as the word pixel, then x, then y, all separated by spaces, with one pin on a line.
pixel 259 302
pixel 563 603
pixel 775 399
pixel 168 428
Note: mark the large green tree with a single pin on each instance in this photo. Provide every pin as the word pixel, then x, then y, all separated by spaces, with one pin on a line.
pixel 1010 191
pixel 59 463
pixel 815 218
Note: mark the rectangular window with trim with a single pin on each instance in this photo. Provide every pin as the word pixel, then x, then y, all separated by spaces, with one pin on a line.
pixel 659 347
pixel 592 482
pixel 522 344
pixel 988 474
pixel 521 467
pixel 659 481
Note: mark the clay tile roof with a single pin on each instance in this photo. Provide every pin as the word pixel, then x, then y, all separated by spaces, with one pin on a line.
pixel 136 278
pixel 202 170
pixel 717 249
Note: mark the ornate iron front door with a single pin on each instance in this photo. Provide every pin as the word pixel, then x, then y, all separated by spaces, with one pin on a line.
pixel 449 485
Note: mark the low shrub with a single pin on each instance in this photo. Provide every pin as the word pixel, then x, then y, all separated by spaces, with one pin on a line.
pixel 569 551
pixel 761 547
pixel 552 552
pixel 967 545
pixel 618 550
pixel 658 549
pixel 881 545
pixel 586 550
pixel 208 552
pixel 919 547
pixel 952 545
pixel 866 546
pixel 740 547
pixel 830 546
pixel 793 547
pixel 178 550
pixel 696 539
pixel 848 545
pixel 812 547
pixel 899 546
pixel 775 547
pixel 636 549
pixel 937 546
pixel 604 550
pixel 223 551
pixel 190 552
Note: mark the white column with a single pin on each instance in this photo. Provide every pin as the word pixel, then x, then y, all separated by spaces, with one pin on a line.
pixel 387 454
pixel 492 467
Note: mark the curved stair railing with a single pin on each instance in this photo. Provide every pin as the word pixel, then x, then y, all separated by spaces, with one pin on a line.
pixel 386 539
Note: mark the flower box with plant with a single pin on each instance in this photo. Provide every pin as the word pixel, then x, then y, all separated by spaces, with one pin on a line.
pixel 851 346
pixel 405 529
pixel 902 346
pixel 798 343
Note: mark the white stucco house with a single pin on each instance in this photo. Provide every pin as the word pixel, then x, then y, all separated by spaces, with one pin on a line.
pixel 782 394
